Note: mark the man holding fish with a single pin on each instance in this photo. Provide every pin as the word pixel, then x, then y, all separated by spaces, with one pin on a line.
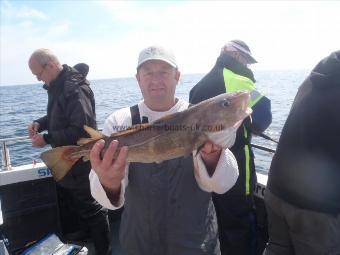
pixel 164 178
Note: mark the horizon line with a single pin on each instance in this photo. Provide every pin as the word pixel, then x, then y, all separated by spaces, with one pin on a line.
pixel 132 77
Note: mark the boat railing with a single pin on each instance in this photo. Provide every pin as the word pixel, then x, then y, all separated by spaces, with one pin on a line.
pixel 5 157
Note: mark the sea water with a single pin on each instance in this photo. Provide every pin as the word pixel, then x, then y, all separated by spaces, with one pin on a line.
pixel 21 104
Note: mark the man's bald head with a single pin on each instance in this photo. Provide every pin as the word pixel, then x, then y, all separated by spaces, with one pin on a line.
pixel 43 56
pixel 44 65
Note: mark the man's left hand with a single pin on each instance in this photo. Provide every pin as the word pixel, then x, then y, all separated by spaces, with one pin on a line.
pixel 210 154
pixel 38 140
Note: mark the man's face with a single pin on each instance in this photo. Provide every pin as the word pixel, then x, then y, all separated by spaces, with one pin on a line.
pixel 239 57
pixel 157 81
pixel 45 73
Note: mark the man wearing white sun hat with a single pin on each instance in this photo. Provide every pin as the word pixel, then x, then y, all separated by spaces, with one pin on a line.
pixel 167 206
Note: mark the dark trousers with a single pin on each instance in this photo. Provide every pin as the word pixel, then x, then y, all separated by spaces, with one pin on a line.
pixel 114 219
pixel 80 212
pixel 296 231
pixel 236 224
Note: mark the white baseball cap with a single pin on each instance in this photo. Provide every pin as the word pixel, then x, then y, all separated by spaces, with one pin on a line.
pixel 157 53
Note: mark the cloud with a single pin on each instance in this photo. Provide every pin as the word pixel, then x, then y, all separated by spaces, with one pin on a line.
pixel 280 35
pixel 17 45
pixel 25 12
pixel 106 59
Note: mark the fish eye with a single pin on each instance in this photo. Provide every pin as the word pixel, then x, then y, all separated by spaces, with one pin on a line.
pixel 225 103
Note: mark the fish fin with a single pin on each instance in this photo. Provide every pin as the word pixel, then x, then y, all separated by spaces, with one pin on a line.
pixel 86 158
pixel 58 160
pixel 166 117
pixel 139 127
pixel 93 133
pixel 83 141
pixel 201 140
pixel 131 130
pixel 199 148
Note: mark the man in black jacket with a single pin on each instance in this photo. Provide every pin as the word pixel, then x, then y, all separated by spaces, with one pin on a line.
pixel 303 191
pixel 235 209
pixel 70 106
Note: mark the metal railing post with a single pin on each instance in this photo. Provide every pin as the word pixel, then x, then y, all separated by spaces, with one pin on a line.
pixel 5 159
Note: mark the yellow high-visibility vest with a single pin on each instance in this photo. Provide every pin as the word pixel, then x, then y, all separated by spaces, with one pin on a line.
pixel 233 83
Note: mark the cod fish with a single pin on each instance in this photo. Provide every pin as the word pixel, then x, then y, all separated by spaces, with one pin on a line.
pixel 172 136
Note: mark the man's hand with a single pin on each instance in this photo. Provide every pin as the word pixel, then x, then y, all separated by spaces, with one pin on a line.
pixel 110 171
pixel 33 129
pixel 38 140
pixel 210 154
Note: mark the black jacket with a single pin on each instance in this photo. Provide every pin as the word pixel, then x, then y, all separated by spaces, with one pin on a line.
pixel 212 84
pixel 70 106
pixel 305 170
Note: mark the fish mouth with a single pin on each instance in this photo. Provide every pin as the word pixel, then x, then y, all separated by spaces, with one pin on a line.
pixel 237 124
pixel 245 113
pixel 248 111
pixel 240 101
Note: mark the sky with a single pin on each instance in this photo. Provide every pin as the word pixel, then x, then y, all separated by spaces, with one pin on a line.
pixel 108 35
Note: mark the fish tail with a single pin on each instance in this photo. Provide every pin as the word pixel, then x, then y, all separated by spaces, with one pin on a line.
pixel 60 160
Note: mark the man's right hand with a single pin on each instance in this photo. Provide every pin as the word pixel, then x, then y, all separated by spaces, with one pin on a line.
pixel 110 171
pixel 33 129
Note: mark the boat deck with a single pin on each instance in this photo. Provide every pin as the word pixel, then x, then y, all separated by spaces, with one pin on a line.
pixel 29 208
